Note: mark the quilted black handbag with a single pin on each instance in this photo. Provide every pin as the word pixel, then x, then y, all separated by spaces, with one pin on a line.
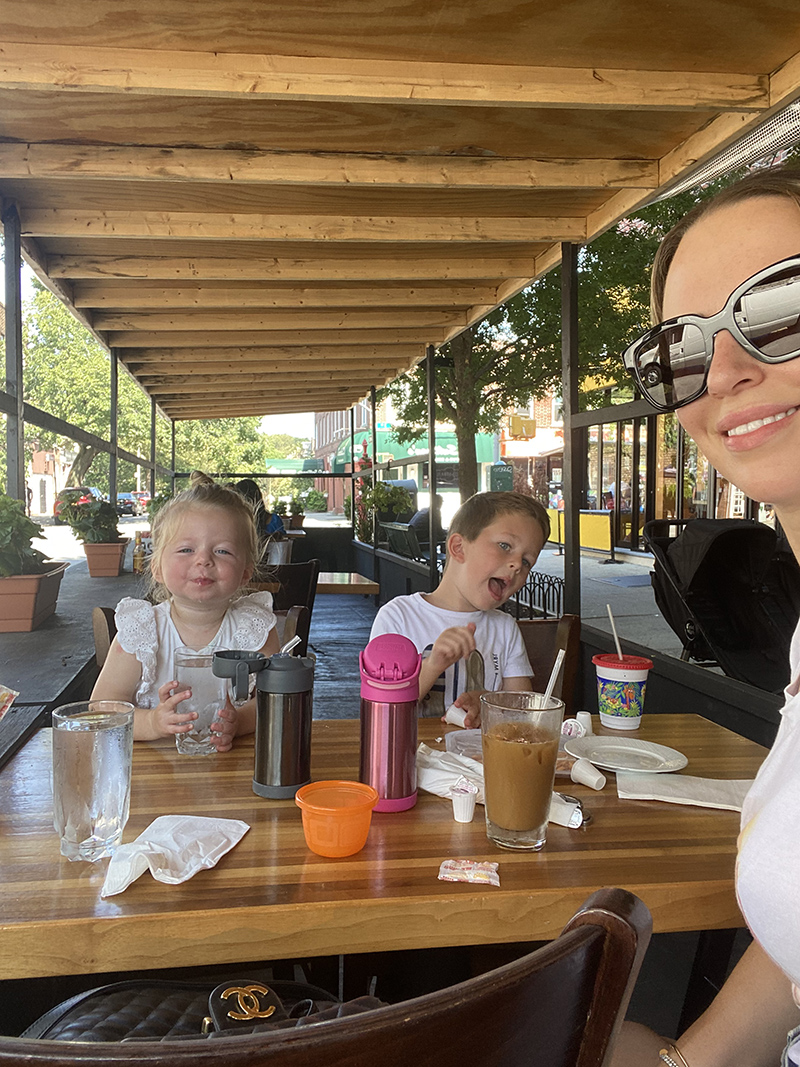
pixel 152 1010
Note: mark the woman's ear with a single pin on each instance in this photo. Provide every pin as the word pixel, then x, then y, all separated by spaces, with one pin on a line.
pixel 455 547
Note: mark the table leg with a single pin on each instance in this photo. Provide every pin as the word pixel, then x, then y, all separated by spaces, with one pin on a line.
pixel 709 971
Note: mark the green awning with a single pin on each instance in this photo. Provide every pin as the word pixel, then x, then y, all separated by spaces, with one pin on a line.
pixel 390 448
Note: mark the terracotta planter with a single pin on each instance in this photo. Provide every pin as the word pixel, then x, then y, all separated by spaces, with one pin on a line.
pixel 26 600
pixel 296 522
pixel 105 560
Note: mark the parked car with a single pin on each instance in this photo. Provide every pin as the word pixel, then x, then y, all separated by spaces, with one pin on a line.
pixel 80 494
pixel 128 504
pixel 143 496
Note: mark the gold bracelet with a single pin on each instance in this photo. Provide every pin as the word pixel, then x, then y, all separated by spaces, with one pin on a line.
pixel 673 1057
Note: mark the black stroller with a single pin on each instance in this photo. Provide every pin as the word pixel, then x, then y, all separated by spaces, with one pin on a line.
pixel 730 591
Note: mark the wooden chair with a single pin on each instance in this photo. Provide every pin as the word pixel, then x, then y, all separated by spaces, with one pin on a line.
pixel 543 639
pixel 560 1006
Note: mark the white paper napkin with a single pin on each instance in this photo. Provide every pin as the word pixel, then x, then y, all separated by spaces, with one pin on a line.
pixel 174 847
pixel 683 789
pixel 437 772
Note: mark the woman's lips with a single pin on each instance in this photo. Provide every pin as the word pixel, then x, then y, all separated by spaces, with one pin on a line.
pixel 753 428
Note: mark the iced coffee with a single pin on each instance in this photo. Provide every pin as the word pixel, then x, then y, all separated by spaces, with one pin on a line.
pixel 520 746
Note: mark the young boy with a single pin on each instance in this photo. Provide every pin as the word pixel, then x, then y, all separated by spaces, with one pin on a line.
pixel 493 542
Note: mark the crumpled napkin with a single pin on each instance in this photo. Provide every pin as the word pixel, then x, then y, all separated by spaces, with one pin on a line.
pixel 683 789
pixel 437 772
pixel 174 847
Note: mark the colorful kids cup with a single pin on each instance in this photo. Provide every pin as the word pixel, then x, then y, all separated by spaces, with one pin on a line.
pixel 621 683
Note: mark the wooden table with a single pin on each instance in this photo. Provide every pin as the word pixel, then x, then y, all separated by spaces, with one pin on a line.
pixel 339 582
pixel 271 898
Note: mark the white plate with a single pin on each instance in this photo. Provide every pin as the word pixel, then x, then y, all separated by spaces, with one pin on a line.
pixel 626 754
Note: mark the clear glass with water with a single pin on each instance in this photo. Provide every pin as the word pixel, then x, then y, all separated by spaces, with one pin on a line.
pixel 209 693
pixel 92 754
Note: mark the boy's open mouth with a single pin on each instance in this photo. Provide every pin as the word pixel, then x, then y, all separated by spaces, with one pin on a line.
pixel 497 587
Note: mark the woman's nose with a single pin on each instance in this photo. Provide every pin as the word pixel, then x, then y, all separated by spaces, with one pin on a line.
pixel 732 368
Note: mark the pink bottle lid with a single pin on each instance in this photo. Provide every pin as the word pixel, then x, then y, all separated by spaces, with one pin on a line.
pixel 390 666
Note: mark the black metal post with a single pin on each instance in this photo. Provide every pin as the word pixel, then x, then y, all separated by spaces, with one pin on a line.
pixel 372 414
pixel 172 451
pixel 569 392
pixel 152 447
pixel 353 470
pixel 113 426
pixel 15 422
pixel 431 384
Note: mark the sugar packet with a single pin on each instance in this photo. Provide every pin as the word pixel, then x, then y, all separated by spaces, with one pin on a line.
pixel 469 871
pixel 7 697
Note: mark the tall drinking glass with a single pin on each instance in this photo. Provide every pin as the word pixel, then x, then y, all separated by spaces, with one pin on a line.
pixel 520 734
pixel 92 753
pixel 209 693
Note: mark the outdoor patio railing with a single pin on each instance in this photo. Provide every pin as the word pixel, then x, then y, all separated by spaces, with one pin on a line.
pixel 541 596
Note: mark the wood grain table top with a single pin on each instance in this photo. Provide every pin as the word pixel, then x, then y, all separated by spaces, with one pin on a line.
pixel 345 582
pixel 272 898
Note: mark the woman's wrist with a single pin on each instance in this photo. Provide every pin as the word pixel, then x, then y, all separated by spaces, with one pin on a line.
pixel 672 1056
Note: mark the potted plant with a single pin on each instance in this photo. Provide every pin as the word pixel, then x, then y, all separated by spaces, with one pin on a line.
pixel 29 583
pixel 379 497
pixel 296 513
pixel 95 523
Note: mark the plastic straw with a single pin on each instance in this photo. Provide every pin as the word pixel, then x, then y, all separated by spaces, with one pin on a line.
pixel 614 631
pixel 291 644
pixel 554 675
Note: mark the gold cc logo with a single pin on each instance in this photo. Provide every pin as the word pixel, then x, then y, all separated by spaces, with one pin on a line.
pixel 249 1005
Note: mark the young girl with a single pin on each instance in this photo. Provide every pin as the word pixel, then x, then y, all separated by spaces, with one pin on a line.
pixel 205 547
pixel 726 357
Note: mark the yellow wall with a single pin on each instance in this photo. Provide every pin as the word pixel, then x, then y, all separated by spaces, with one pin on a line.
pixel 595 529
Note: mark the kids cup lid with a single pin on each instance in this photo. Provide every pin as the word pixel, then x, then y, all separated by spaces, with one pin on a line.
pixel 390 666
pixel 617 663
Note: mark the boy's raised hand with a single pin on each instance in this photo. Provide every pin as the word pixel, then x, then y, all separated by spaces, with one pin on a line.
pixel 450 646
pixel 470 701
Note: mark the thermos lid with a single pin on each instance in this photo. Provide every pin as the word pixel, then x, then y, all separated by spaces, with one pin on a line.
pixel 286 674
pixel 390 666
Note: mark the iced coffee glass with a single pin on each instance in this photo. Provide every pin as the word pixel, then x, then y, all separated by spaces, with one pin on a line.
pixel 520 733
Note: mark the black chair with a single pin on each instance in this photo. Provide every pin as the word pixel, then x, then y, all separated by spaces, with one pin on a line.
pixel 559 1006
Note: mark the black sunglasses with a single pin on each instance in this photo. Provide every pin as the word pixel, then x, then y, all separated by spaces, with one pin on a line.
pixel 671 361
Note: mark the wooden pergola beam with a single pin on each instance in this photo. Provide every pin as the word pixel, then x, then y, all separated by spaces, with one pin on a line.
pixel 408 265
pixel 266 339
pixel 356 354
pixel 281 319
pixel 134 296
pixel 132 71
pixel 137 225
pixel 348 170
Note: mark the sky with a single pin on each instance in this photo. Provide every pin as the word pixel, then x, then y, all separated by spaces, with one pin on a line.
pixel 301 425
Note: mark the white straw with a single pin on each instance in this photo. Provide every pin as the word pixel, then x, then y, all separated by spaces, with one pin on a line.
pixel 614 631
pixel 290 644
pixel 554 675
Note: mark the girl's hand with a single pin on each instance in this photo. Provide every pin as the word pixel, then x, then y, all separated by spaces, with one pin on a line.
pixel 223 728
pixel 166 719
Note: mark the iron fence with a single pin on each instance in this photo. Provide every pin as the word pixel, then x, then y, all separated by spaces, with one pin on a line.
pixel 541 596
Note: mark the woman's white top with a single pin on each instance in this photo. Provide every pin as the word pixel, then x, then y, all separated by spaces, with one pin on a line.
pixel 148 632
pixel 768 868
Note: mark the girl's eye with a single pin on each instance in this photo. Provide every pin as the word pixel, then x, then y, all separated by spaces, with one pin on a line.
pixel 224 552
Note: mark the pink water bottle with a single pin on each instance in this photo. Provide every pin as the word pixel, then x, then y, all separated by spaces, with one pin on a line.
pixel 390 666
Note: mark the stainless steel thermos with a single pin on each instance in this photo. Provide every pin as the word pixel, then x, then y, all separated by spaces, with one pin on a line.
pixel 284 688
pixel 390 666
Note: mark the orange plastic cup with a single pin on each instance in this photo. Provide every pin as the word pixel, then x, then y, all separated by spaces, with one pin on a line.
pixel 336 816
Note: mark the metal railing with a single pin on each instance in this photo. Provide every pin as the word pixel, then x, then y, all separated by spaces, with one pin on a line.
pixel 540 597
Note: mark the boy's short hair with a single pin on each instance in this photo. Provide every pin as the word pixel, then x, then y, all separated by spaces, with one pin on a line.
pixel 482 509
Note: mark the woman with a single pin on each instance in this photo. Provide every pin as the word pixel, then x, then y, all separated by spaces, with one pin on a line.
pixel 732 266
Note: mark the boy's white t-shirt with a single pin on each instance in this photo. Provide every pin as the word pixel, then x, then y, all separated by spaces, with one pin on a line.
pixel 497 638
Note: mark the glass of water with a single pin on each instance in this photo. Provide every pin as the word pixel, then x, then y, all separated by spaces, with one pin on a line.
pixel 209 693
pixel 92 754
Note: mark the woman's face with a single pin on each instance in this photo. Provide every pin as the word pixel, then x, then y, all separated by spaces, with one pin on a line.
pixel 757 401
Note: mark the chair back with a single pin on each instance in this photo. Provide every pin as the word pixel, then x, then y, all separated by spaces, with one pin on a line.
pixel 559 1006
pixel 104 628
pixel 297 584
pixel 544 638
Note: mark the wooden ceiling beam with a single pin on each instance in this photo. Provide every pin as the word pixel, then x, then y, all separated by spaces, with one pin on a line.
pixel 266 339
pixel 349 170
pixel 132 71
pixel 407 265
pixel 133 296
pixel 314 319
pixel 261 385
pixel 355 353
pixel 219 226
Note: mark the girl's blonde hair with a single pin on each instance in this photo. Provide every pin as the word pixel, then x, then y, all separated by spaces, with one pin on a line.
pixel 203 492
